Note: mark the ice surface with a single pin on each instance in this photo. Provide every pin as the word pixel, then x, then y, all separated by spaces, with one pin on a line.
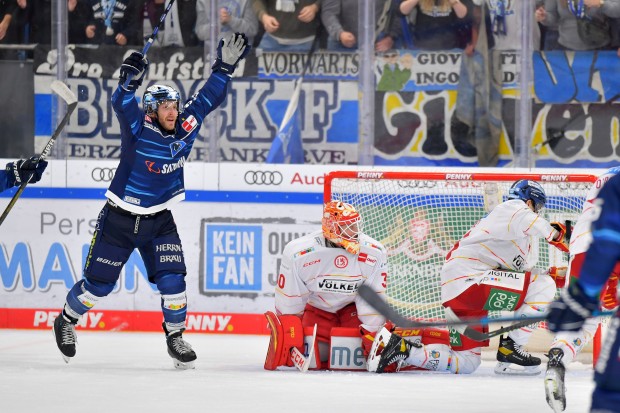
pixel 131 372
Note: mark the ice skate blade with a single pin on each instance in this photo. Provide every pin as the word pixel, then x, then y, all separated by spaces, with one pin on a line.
pixel 555 395
pixel 180 365
pixel 512 369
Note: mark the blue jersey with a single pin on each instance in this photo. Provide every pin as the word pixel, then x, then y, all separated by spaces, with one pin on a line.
pixel 149 177
pixel 604 251
pixel 4 181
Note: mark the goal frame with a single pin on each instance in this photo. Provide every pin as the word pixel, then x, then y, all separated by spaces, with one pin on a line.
pixel 378 175
pixel 450 176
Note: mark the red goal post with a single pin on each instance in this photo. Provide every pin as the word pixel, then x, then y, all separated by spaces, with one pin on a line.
pixel 418 216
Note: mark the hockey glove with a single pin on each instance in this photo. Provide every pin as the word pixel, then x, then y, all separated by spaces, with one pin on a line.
pixel 570 311
pixel 230 51
pixel 134 68
pixel 609 296
pixel 560 241
pixel 29 170
pixel 559 276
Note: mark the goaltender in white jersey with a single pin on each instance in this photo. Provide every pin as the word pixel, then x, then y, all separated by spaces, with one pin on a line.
pixel 318 283
pixel 317 273
pixel 489 270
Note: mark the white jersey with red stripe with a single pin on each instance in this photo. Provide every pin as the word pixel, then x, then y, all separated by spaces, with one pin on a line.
pixel 581 234
pixel 327 277
pixel 501 240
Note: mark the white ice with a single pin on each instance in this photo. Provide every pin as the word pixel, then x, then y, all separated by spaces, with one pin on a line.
pixel 131 372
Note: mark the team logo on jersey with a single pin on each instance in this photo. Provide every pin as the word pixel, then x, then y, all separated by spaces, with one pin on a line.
pixel 368 259
pixel 176 146
pixel 341 261
pixel 150 165
pixel 189 124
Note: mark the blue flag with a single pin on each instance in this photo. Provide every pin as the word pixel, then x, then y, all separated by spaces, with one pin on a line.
pixel 287 146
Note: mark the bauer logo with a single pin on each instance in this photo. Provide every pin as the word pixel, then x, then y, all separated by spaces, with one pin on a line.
pixel 232 257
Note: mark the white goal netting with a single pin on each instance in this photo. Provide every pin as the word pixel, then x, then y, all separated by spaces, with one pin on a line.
pixel 418 216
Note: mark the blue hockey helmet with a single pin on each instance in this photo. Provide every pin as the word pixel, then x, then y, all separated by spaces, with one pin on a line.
pixel 157 94
pixel 526 190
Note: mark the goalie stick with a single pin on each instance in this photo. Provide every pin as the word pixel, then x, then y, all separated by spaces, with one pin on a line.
pixel 70 99
pixel 299 360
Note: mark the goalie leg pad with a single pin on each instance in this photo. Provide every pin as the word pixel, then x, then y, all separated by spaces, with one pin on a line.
pixel 286 332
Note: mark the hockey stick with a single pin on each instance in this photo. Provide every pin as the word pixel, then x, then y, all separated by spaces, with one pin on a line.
pixel 372 298
pixel 299 360
pixel 152 37
pixel 65 94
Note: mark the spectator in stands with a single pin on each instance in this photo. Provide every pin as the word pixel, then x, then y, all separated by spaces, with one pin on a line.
pixel 234 16
pixel 582 25
pixel 38 19
pixel 113 22
pixel 479 99
pixel 438 24
pixel 290 25
pixel 340 19
pixel 7 8
pixel 178 28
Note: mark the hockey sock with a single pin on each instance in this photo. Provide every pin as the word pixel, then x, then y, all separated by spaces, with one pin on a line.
pixel 173 300
pixel 174 307
pixel 540 293
pixel 84 295
pixel 434 357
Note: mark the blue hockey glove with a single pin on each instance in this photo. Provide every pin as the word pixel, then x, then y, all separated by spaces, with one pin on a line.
pixel 135 66
pixel 230 51
pixel 571 310
pixel 29 170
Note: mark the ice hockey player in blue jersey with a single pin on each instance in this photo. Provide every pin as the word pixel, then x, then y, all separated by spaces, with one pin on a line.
pixel 581 298
pixel 28 170
pixel 148 180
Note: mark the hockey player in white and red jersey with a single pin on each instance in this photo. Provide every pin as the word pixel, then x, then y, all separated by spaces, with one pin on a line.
pixel 488 270
pixel 566 345
pixel 318 282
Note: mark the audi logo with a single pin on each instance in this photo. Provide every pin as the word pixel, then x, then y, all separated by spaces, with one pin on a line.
pixel 263 178
pixel 103 174
pixel 416 184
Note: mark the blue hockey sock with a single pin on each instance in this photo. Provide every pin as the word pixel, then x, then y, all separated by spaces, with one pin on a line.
pixel 84 295
pixel 173 300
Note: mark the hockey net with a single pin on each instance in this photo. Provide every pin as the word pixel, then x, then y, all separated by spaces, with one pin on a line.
pixel 419 216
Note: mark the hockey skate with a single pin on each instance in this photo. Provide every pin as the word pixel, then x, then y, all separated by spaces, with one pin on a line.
pixel 554 381
pixel 66 339
pixel 395 350
pixel 510 355
pixel 180 350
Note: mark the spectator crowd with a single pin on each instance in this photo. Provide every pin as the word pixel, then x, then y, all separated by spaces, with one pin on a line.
pixel 292 25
